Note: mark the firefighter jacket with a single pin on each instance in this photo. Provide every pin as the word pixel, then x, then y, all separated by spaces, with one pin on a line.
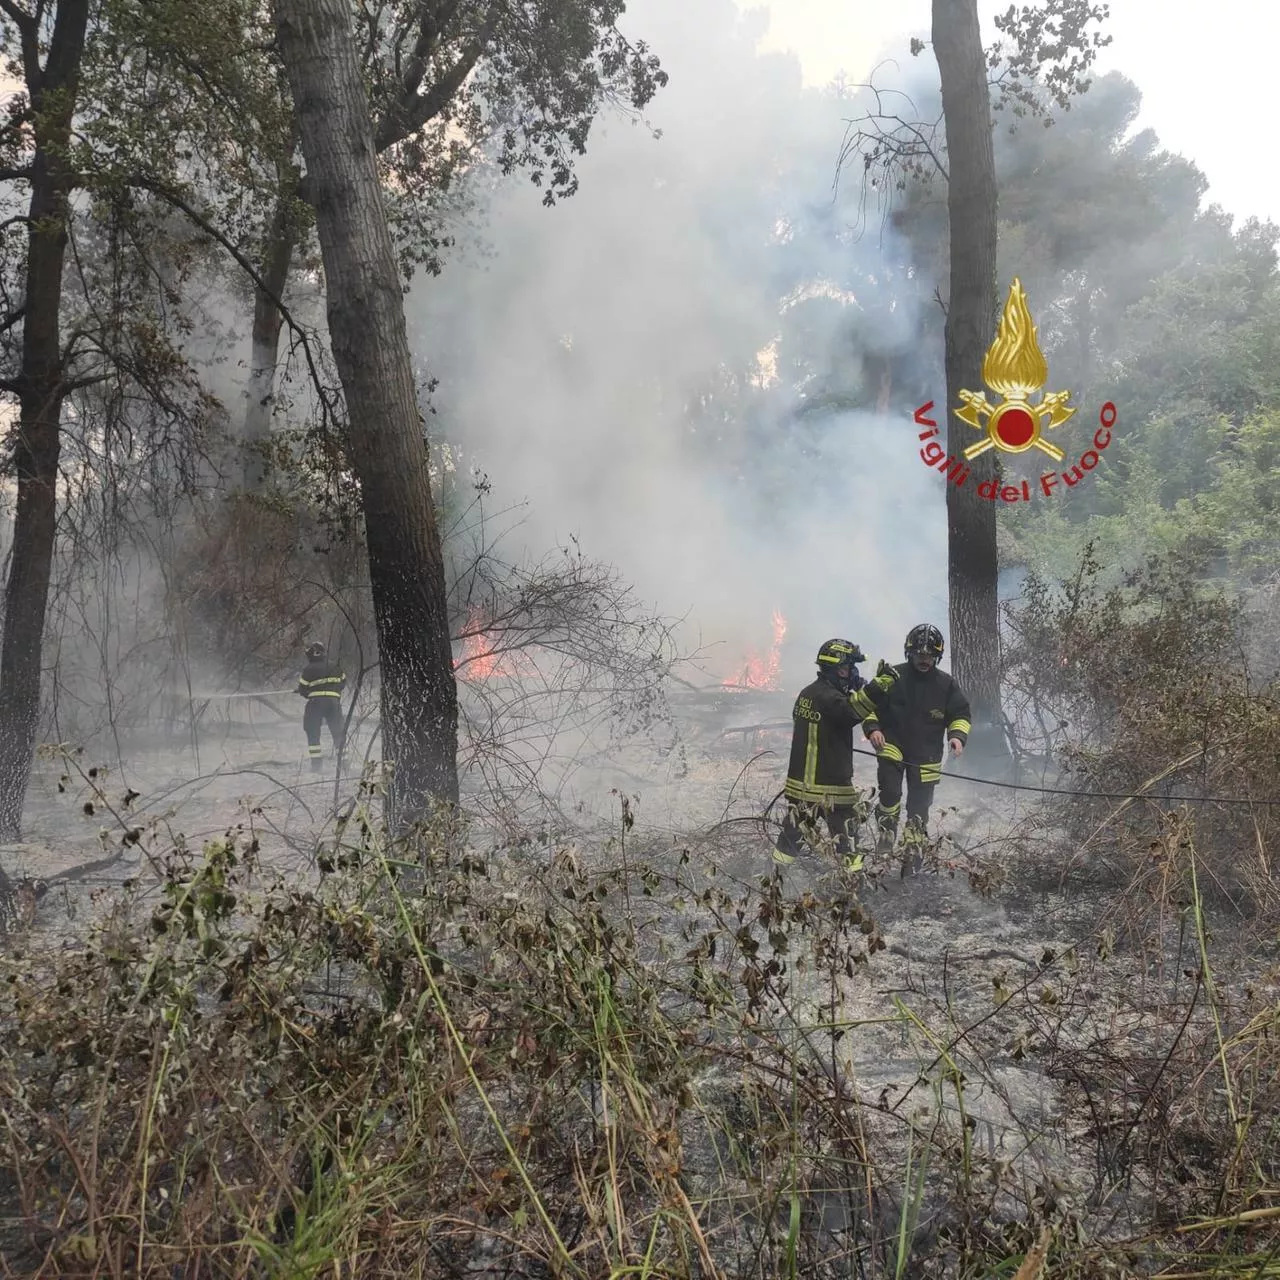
pixel 322 679
pixel 821 768
pixel 916 711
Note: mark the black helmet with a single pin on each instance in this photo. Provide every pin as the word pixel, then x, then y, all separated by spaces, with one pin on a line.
pixel 836 654
pixel 315 649
pixel 924 641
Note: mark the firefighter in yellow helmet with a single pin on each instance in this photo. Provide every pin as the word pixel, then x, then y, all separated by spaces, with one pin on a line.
pixel 820 773
pixel 321 684
pixel 906 711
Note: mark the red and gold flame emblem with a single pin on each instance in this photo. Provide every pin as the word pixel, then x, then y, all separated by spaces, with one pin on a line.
pixel 1014 368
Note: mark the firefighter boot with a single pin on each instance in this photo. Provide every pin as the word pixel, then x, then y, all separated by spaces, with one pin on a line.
pixel 790 843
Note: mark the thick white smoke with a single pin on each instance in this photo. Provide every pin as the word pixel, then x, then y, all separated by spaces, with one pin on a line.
pixel 567 354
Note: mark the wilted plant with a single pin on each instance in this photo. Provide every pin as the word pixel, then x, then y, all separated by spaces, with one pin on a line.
pixel 1146 689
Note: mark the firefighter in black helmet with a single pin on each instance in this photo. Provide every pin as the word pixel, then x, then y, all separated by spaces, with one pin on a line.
pixel 820 774
pixel 906 711
pixel 322 683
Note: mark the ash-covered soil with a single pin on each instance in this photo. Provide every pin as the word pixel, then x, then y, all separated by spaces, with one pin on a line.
pixel 710 791
pixel 971 971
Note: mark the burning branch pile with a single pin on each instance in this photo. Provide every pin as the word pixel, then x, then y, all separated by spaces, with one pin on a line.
pixel 762 673
pixel 557 663
pixel 483 656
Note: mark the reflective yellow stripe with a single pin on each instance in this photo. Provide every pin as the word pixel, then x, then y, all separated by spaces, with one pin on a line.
pixel 889 810
pixel 888 752
pixel 958 726
pixel 862 704
pixel 334 693
pixel 930 773
pixel 816 793
pixel 811 756
pixel 315 751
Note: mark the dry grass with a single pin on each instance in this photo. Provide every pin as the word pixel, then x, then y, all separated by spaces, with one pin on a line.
pixel 426 1062
pixel 582 1059
pixel 1153 688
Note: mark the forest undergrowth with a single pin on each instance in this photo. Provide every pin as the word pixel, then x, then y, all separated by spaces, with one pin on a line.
pixel 623 1057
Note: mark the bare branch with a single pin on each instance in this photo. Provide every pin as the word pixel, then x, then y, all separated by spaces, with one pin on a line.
pixel 887 140
pixel 79 384
pixel 197 219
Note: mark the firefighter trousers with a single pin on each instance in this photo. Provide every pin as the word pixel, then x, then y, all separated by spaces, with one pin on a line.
pixel 889 779
pixel 317 713
pixel 800 827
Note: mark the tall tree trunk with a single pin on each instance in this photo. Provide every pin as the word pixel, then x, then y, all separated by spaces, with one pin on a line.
pixel 388 449
pixel 971 316
pixel 40 387
pixel 278 246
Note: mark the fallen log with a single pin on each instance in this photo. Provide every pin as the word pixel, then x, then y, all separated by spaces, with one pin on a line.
pixel 744 729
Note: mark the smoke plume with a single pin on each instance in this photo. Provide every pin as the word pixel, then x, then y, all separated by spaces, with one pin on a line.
pixel 598 360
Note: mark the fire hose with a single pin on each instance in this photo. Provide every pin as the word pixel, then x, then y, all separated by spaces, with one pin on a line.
pixel 1051 791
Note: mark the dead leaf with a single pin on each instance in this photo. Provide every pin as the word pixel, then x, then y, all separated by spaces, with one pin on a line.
pixel 1033 1265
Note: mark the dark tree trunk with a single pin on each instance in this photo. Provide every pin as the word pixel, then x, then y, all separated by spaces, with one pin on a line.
pixel 278 246
pixel 40 386
pixel 388 450
pixel 971 317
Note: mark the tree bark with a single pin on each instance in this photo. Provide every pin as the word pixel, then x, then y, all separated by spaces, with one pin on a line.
pixel 278 246
pixel 971 316
pixel 40 389
pixel 388 448
pixel 405 117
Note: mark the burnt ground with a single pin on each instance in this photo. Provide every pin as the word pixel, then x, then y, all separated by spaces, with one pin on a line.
pixel 964 963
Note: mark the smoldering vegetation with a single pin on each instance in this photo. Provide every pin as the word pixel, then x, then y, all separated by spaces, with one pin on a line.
pixel 586 1029
pixel 291 1045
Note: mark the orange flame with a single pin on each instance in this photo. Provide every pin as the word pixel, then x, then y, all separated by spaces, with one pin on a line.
pixel 479 659
pixel 758 672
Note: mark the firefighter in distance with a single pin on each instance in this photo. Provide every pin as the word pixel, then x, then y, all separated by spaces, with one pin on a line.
pixel 906 712
pixel 820 773
pixel 322 683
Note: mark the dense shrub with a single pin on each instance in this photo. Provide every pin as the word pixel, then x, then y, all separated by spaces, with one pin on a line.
pixel 1153 687
pixel 416 1059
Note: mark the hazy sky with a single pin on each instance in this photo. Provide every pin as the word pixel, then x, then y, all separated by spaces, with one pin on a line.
pixel 1207 72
